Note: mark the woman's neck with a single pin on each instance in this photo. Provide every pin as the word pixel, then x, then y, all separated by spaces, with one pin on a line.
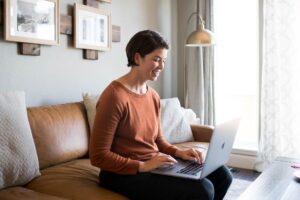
pixel 133 82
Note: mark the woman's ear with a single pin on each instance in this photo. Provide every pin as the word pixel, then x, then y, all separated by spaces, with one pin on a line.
pixel 137 58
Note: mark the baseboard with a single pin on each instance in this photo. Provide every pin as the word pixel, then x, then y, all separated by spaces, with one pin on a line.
pixel 242 159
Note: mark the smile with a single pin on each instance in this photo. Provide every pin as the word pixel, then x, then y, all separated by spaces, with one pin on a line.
pixel 156 72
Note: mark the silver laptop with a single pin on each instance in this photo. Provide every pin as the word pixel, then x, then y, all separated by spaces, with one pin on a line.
pixel 217 155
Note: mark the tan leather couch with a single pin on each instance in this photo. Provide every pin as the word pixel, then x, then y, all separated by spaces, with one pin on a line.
pixel 61 136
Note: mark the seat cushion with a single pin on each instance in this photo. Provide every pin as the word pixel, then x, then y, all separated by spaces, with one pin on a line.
pixel 76 179
pixel 17 193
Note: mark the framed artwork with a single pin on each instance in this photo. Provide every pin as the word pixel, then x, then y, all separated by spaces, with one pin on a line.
pixel 32 21
pixel 92 28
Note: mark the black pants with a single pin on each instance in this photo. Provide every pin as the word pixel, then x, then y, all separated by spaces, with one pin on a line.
pixel 144 186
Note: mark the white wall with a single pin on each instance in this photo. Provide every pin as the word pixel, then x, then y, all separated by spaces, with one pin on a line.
pixel 60 74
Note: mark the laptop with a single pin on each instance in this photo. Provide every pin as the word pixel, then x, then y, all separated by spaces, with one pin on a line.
pixel 217 155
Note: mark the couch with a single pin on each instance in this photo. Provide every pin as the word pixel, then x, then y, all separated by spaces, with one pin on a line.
pixel 61 138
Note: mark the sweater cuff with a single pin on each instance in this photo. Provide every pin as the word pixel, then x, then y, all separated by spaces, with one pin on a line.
pixel 133 166
pixel 172 150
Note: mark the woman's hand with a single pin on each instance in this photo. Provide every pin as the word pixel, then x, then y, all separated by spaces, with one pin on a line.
pixel 157 161
pixel 190 154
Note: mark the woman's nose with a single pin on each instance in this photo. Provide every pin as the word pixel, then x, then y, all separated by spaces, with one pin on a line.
pixel 161 64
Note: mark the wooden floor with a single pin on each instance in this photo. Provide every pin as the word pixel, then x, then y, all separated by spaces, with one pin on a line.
pixel 242 178
pixel 245 174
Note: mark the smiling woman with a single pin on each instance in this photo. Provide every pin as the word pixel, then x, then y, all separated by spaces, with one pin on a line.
pixel 127 142
pixel 153 62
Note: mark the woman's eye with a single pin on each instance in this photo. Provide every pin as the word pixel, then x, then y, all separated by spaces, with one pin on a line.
pixel 157 59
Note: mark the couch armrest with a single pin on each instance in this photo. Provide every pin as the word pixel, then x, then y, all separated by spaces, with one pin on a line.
pixel 202 133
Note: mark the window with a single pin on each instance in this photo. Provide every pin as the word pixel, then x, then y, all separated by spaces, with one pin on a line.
pixel 236 26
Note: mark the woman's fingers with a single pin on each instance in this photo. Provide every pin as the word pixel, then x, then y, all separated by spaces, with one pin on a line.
pixel 196 155
pixel 200 158
pixel 166 159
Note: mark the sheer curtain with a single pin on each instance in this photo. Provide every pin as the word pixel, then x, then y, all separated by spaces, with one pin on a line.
pixel 280 82
pixel 200 72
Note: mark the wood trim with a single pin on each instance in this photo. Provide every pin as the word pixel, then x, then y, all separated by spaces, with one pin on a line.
pixel 116 33
pixel 90 54
pixel 108 1
pixel 29 49
pixel 66 24
pixel 91 3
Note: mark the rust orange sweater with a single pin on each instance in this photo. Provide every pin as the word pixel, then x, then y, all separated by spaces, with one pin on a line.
pixel 126 130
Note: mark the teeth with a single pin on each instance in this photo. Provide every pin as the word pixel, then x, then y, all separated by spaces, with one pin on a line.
pixel 156 72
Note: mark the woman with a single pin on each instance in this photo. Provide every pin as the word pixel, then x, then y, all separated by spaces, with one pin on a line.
pixel 127 142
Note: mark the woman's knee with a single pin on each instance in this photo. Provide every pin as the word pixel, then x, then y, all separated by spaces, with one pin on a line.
pixel 186 189
pixel 227 176
pixel 222 179
pixel 205 190
pixel 209 188
pixel 222 173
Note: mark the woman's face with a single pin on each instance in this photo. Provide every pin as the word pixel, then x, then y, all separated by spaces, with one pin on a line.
pixel 152 64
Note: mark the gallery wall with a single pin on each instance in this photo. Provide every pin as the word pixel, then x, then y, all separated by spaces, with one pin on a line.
pixel 60 74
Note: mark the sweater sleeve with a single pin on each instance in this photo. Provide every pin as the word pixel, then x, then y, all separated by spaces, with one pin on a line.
pixel 108 114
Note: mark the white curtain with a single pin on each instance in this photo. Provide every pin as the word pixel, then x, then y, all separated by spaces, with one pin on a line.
pixel 200 72
pixel 280 82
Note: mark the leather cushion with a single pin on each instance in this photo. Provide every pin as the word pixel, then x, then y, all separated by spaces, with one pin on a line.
pixel 60 132
pixel 17 193
pixel 74 180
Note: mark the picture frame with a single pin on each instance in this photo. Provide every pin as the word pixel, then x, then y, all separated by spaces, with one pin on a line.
pixel 92 28
pixel 32 21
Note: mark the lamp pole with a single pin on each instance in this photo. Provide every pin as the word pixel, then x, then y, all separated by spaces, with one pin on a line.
pixel 198 13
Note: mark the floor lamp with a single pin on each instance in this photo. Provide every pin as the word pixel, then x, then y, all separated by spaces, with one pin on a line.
pixel 201 37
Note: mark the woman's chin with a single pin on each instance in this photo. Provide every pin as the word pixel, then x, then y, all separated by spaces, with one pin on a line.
pixel 154 78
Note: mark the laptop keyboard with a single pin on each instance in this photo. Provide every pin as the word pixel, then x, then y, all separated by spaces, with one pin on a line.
pixel 191 169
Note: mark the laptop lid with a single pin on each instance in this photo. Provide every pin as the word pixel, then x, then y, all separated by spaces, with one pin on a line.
pixel 220 146
pixel 218 153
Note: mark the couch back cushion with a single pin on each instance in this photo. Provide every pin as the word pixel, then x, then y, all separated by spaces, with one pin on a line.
pixel 60 132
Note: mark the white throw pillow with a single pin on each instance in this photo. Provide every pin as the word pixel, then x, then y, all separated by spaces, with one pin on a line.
pixel 19 162
pixel 190 116
pixel 174 126
pixel 90 101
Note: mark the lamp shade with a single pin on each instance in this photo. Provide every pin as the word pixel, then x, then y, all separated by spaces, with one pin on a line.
pixel 200 37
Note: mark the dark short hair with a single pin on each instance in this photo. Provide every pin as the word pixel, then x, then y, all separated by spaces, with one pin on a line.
pixel 144 42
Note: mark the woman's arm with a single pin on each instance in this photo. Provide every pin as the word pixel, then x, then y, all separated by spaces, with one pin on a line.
pixel 108 115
